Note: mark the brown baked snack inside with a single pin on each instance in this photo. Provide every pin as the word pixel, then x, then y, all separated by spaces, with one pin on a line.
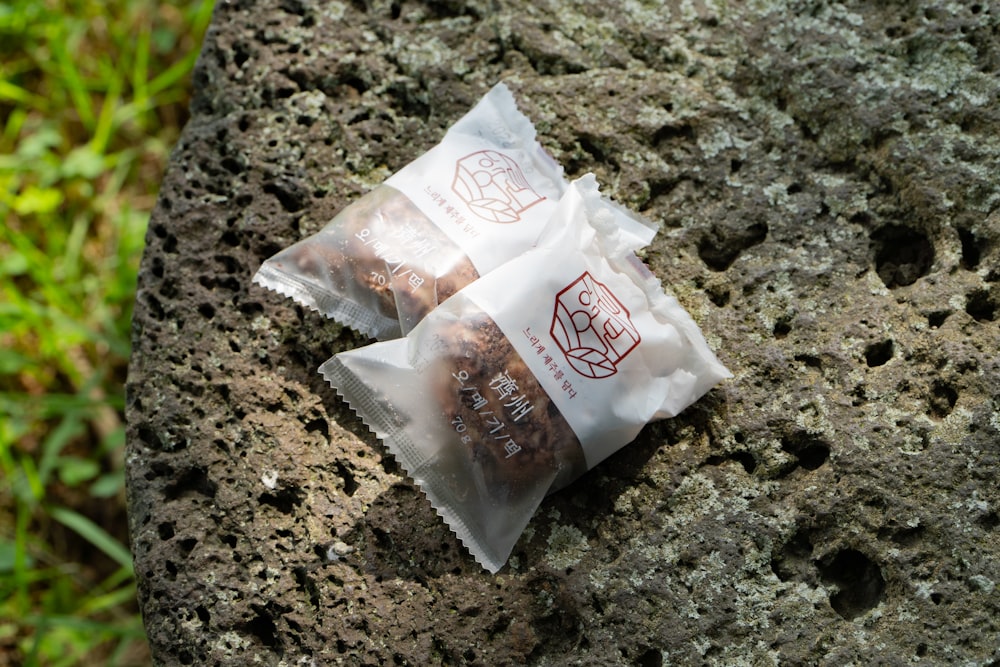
pixel 515 434
pixel 384 254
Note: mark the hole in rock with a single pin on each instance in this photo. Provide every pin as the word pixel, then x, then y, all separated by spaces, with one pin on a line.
pixel 350 484
pixel 192 481
pixel 878 354
pixel 319 426
pixel 989 521
pixel 936 319
pixel 722 244
pixel 650 658
pixel 262 627
pixel 168 290
pixel 232 165
pixel 360 85
pixel 150 437
pixel 980 306
pixel 240 55
pixel 902 255
pixel 307 585
pixel 593 146
pixel 809 451
pixel 170 244
pixel 230 265
pixel 782 327
pixel 745 459
pixel 155 309
pixel 230 238
pixel 970 249
pixel 251 308
pixel 660 187
pixel 285 500
pixel 158 469
pixel 165 530
pixel 203 614
pixel 670 132
pixel 859 581
pixel 408 101
pixel 718 295
pixel 289 194
pixel 293 7
pixel 809 360
pixel 942 399
pixel 229 283
pixel 908 537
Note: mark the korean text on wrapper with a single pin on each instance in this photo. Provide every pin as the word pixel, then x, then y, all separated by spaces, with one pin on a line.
pixel 480 197
pixel 529 376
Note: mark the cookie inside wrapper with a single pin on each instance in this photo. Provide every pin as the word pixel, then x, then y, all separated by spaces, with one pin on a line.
pixel 480 197
pixel 529 376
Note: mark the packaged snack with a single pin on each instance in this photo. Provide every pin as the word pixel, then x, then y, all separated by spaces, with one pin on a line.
pixel 479 198
pixel 529 376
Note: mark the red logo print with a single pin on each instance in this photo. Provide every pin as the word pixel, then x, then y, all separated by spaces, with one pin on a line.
pixel 493 186
pixel 592 328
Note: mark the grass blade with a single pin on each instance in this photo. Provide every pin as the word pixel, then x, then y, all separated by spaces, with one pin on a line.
pixel 11 93
pixel 94 534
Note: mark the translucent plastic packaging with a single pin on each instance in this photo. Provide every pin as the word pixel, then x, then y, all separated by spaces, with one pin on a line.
pixel 480 197
pixel 529 376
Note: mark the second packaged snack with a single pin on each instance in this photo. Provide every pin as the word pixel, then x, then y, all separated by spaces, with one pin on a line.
pixel 530 375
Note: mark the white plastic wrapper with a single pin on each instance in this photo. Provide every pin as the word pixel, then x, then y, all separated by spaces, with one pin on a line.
pixel 479 198
pixel 529 376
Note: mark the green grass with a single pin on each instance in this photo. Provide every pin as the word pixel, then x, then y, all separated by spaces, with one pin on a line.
pixel 93 94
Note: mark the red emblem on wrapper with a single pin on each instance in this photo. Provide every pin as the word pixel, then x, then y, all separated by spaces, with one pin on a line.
pixel 592 328
pixel 493 186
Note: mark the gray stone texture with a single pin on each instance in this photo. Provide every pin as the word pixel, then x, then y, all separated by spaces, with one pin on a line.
pixel 827 178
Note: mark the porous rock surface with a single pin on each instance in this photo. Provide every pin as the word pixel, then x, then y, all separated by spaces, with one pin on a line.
pixel 827 178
